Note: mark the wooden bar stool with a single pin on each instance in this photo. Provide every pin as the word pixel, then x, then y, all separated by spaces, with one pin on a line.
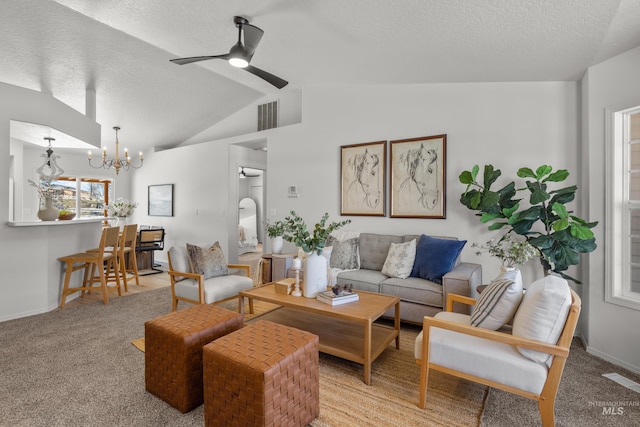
pixel 127 254
pixel 91 260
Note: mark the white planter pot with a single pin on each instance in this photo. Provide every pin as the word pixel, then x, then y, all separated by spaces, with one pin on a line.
pixel 49 212
pixel 277 244
pixel 518 273
pixel 122 221
pixel 315 275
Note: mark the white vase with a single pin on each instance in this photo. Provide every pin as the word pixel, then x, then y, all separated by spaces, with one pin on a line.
pixel 315 275
pixel 49 212
pixel 122 221
pixel 504 269
pixel 277 244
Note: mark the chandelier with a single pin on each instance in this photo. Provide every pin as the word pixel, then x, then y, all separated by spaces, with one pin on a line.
pixel 49 170
pixel 116 163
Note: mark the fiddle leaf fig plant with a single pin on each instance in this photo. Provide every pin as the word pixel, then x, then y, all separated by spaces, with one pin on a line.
pixel 543 218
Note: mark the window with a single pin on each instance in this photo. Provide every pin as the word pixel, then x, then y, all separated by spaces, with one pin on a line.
pixel 88 195
pixel 623 213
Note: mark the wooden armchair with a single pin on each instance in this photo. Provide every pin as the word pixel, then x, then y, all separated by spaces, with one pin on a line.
pixel 192 287
pixel 449 344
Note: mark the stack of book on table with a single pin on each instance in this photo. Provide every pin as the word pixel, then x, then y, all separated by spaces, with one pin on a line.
pixel 328 297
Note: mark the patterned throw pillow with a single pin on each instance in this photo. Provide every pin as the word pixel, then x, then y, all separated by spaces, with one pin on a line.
pixel 344 254
pixel 399 262
pixel 209 262
pixel 499 301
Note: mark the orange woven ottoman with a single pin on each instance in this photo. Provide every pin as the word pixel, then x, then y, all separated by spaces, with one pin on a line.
pixel 264 374
pixel 173 351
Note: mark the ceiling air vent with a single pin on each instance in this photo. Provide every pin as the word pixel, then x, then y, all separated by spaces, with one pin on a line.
pixel 268 115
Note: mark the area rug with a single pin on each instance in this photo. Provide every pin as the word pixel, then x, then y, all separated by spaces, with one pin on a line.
pixel 391 399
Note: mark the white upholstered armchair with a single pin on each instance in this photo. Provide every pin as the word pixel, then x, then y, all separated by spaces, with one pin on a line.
pixel 200 275
pixel 513 362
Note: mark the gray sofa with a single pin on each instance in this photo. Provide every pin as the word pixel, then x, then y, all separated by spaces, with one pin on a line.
pixel 418 297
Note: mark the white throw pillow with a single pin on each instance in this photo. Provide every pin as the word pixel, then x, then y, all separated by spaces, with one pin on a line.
pixel 542 314
pixel 499 301
pixel 400 258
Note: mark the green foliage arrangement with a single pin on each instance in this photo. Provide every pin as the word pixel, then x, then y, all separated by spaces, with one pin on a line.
pixel 546 223
pixel 276 229
pixel 295 231
pixel 511 252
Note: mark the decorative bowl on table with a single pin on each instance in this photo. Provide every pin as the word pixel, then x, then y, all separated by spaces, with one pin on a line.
pixel 64 216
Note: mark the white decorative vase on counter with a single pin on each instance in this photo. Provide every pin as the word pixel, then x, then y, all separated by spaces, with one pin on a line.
pixel 315 275
pixel 277 243
pixel 49 212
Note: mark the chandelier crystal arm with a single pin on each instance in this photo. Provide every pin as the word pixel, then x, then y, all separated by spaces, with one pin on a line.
pixel 115 163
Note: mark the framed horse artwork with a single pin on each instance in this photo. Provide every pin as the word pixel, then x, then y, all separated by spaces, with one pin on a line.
pixel 362 177
pixel 418 178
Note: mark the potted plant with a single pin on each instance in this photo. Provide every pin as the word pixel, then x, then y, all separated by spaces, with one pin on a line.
pixel 312 243
pixel 511 252
pixel 46 193
pixel 275 231
pixel 122 209
pixel 546 222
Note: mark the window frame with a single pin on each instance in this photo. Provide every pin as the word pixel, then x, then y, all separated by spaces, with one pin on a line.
pixel 618 266
pixel 79 180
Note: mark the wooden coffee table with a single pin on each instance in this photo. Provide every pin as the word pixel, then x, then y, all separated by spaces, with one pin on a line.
pixel 347 331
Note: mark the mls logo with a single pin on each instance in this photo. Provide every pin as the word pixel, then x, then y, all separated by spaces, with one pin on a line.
pixel 613 410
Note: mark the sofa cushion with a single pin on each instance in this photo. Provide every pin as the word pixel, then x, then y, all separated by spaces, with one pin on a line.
pixel 374 249
pixel 399 262
pixel 210 262
pixel 498 302
pixel 478 356
pixel 436 257
pixel 414 289
pixel 542 314
pixel 344 254
pixel 215 289
pixel 363 280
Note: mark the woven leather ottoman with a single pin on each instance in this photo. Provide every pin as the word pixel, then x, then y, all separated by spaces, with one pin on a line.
pixel 173 351
pixel 264 374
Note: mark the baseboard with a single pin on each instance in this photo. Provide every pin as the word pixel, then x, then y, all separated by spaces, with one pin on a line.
pixel 614 360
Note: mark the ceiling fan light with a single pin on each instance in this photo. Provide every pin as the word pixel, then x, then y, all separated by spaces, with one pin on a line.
pixel 238 62
pixel 237 56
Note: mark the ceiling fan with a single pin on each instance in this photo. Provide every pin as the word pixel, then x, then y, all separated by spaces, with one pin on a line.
pixel 243 174
pixel 240 54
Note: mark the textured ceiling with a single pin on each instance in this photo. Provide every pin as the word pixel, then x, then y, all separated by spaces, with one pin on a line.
pixel 121 48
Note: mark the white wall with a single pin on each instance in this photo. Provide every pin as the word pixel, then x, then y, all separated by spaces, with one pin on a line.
pixel 31 279
pixel 205 193
pixel 510 125
pixel 612 329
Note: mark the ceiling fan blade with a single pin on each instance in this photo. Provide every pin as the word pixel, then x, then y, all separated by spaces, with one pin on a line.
pixel 274 80
pixel 252 37
pixel 183 61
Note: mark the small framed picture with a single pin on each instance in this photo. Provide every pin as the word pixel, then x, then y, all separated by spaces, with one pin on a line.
pixel 362 179
pixel 418 177
pixel 161 200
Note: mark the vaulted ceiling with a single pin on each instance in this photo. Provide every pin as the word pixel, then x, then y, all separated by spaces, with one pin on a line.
pixel 122 48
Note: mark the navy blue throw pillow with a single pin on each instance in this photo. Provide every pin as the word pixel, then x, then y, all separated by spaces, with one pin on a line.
pixel 435 257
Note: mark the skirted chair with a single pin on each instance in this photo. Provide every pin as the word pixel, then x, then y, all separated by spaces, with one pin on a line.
pixel 200 275
pixel 528 360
